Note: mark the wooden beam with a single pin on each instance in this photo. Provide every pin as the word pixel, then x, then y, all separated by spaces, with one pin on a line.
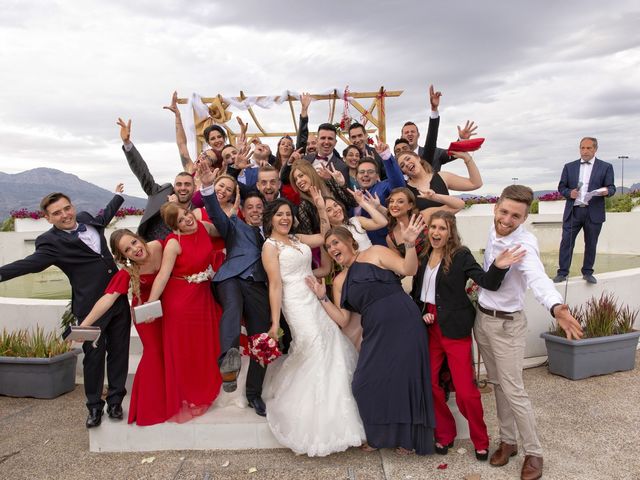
pixel 330 96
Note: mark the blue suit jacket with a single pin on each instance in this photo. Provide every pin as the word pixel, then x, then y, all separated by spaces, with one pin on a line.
pixel 251 176
pixel 601 176
pixel 244 256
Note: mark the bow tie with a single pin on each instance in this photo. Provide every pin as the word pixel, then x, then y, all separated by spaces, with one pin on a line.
pixel 81 228
pixel 319 157
pixel 585 163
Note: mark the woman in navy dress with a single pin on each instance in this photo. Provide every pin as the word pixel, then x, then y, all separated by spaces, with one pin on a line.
pixel 391 384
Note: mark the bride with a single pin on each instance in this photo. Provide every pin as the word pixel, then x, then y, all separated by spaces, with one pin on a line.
pixel 310 407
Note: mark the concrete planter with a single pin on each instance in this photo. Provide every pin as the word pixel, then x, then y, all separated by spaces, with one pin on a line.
pixel 31 225
pixel 555 206
pixel 576 359
pixel 478 210
pixel 38 377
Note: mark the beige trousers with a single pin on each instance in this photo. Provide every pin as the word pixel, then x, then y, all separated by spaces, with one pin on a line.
pixel 501 343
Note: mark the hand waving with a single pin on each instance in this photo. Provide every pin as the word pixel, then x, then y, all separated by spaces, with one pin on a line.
pixel 468 131
pixel 125 130
pixel 410 233
pixel 206 175
pixel 119 188
pixel 508 257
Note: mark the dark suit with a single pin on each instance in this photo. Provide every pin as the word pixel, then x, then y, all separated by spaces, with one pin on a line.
pixel 455 311
pixel 589 218
pixel 240 286
pixel 89 274
pixel 151 225
pixel 435 156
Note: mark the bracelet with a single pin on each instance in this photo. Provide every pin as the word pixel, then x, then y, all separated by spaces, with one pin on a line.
pixel 324 299
pixel 409 245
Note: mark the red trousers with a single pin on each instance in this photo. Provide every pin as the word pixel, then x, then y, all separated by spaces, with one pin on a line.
pixel 458 354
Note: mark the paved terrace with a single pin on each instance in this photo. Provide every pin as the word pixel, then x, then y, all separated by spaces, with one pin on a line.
pixel 590 429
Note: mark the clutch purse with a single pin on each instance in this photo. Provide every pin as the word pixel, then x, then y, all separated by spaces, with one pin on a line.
pixel 470 145
pixel 147 312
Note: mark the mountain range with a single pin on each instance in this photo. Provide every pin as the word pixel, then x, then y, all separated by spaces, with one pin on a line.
pixel 26 189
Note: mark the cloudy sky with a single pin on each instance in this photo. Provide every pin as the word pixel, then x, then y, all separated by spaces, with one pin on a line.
pixel 535 76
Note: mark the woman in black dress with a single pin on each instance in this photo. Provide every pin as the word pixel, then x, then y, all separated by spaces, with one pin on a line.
pixel 391 383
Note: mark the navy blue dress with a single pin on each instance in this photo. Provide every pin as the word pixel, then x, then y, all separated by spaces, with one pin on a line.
pixel 392 383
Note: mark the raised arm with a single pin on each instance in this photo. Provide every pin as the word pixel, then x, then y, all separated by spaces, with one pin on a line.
pixel 44 256
pixel 303 127
pixel 136 163
pixel 272 268
pixel 390 260
pixel 462 184
pixel 112 207
pixel 181 136
pixel 429 152
pixel 211 203
pixel 169 256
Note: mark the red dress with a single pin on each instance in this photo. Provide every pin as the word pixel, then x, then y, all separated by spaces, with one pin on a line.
pixel 191 342
pixel 147 405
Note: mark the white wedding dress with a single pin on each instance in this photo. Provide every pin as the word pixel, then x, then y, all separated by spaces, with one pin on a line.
pixel 310 407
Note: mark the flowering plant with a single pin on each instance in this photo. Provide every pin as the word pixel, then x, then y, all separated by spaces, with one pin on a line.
pixel 24 213
pixel 551 197
pixel 123 212
pixel 263 349
pixel 201 276
pixel 472 290
pixel 479 200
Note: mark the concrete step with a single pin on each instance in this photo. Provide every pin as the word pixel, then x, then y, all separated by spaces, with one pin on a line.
pixel 228 425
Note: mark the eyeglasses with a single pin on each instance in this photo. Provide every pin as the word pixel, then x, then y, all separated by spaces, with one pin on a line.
pixel 366 172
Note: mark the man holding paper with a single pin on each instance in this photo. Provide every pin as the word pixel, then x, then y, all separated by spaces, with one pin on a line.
pixel 584 183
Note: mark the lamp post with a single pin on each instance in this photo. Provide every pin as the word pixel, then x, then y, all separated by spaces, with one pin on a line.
pixel 622 158
pixel 515 180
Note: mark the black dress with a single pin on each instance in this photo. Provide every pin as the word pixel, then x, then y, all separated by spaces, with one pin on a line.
pixel 391 384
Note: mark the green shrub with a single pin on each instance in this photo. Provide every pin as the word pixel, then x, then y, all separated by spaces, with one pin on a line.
pixel 618 203
pixel 31 344
pixel 535 206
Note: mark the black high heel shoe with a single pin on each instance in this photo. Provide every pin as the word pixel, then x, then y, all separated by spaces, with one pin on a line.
pixel 444 449
pixel 483 457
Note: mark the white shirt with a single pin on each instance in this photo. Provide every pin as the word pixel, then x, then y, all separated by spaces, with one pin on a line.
pixel 317 163
pixel 359 234
pixel 428 294
pixel 90 237
pixel 527 273
pixel 585 175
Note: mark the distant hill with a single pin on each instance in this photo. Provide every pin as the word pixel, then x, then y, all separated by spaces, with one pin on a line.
pixel 26 189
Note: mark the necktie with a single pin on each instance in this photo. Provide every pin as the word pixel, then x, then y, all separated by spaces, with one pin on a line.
pixel 259 237
pixel 81 228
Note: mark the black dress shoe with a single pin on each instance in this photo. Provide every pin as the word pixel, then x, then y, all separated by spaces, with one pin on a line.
pixel 115 411
pixel 483 457
pixel 258 405
pixel 95 417
pixel 590 279
pixel 444 449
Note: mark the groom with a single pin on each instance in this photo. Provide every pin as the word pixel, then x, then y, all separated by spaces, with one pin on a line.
pixel 240 286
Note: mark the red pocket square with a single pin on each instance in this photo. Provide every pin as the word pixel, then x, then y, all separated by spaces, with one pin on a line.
pixel 470 145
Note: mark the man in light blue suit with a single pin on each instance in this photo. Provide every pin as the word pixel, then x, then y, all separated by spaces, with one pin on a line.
pixel 584 183
pixel 240 286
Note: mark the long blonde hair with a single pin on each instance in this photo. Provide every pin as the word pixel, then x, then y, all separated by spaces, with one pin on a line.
pixel 305 167
pixel 131 267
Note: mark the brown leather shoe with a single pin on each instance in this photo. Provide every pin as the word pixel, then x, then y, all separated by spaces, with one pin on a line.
pixel 501 456
pixel 531 468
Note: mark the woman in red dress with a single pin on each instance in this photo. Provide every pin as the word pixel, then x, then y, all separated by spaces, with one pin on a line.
pixel 140 263
pixel 190 315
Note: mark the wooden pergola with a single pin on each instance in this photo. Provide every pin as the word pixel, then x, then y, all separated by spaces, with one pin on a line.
pixel 219 113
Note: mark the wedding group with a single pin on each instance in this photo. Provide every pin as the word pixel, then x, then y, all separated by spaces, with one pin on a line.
pixel 318 245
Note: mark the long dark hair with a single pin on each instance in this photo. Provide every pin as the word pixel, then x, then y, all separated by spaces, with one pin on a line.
pixel 269 212
pixel 454 243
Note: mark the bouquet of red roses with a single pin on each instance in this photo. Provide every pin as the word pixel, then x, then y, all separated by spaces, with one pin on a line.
pixel 473 290
pixel 263 349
